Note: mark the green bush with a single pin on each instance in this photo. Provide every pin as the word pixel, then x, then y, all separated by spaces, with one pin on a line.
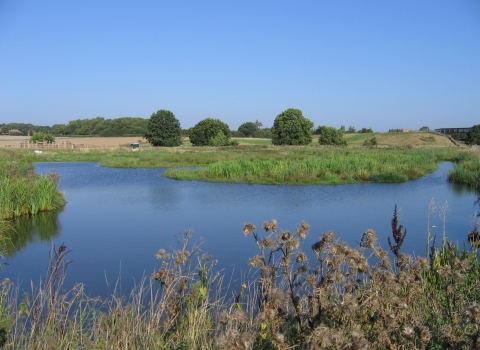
pixel 330 136
pixel 210 132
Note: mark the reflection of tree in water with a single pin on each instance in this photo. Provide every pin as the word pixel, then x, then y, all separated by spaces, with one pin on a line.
pixel 28 229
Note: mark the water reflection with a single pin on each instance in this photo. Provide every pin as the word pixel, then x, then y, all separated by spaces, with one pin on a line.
pixel 116 219
pixel 25 230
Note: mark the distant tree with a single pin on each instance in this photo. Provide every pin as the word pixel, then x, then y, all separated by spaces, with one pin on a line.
pixel 330 136
pixel 424 129
pixel 264 133
pixel 248 129
pixel 351 130
pixel 473 136
pixel 291 128
pixel 258 124
pixel 236 133
pixel 210 132
pixel 4 130
pixel 163 129
pixel 365 131
pixel 42 137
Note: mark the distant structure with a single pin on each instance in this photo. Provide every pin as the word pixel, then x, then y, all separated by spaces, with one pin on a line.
pixel 14 131
pixel 451 131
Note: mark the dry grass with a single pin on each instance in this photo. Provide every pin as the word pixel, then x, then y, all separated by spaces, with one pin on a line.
pixel 95 141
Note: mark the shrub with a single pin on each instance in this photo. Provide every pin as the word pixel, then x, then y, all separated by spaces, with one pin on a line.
pixel 370 142
pixel 291 128
pixel 330 136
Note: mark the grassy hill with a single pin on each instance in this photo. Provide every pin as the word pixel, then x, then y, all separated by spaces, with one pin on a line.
pixel 383 138
pixel 400 138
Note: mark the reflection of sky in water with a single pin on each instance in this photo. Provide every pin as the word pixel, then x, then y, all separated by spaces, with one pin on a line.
pixel 116 219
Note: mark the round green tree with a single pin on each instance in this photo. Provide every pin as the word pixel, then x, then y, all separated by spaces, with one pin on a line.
pixel 210 132
pixel 330 136
pixel 163 129
pixel 248 129
pixel 291 128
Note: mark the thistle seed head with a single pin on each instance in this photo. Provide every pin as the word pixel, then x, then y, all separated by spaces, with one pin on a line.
pixel 248 228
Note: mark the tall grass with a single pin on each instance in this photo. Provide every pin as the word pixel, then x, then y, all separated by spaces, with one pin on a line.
pixel 331 296
pixel 23 192
pixel 467 171
pixel 322 168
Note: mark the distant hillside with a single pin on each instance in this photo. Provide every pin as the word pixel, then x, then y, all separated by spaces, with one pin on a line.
pixel 400 138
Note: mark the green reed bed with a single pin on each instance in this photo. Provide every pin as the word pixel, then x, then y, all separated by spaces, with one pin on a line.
pixel 467 171
pixel 324 167
pixel 24 192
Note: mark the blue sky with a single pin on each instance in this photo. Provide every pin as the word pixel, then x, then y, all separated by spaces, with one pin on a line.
pixel 380 64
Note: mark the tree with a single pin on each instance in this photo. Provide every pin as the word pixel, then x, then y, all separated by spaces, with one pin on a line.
pixel 473 136
pixel 210 132
pixel 351 130
pixel 330 136
pixel 163 129
pixel 4 130
pixel 365 131
pixel 425 129
pixel 248 129
pixel 291 128
pixel 42 137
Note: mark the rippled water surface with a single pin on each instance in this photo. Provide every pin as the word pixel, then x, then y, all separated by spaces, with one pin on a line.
pixel 115 220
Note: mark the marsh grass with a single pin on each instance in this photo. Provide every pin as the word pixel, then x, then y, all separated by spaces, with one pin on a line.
pixel 329 296
pixel 323 167
pixel 24 192
pixel 467 171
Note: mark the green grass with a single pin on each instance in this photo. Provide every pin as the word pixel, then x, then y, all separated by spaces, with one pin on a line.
pixel 22 191
pixel 261 163
pixel 331 166
pixel 467 171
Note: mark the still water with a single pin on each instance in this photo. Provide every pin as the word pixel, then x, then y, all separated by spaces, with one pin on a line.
pixel 115 220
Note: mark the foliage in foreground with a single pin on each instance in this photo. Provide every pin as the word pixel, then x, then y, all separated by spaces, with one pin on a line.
pixel 332 296
pixel 22 191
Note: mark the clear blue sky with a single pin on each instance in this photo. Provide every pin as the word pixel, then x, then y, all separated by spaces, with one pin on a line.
pixel 381 64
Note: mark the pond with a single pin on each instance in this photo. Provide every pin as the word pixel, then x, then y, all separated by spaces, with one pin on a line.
pixel 115 220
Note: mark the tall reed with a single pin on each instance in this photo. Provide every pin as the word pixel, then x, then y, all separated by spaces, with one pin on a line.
pixel 23 192
pixel 324 168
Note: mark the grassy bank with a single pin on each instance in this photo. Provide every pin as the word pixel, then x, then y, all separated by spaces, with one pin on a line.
pixel 283 165
pixel 467 171
pixel 323 166
pixel 22 191
pixel 329 296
